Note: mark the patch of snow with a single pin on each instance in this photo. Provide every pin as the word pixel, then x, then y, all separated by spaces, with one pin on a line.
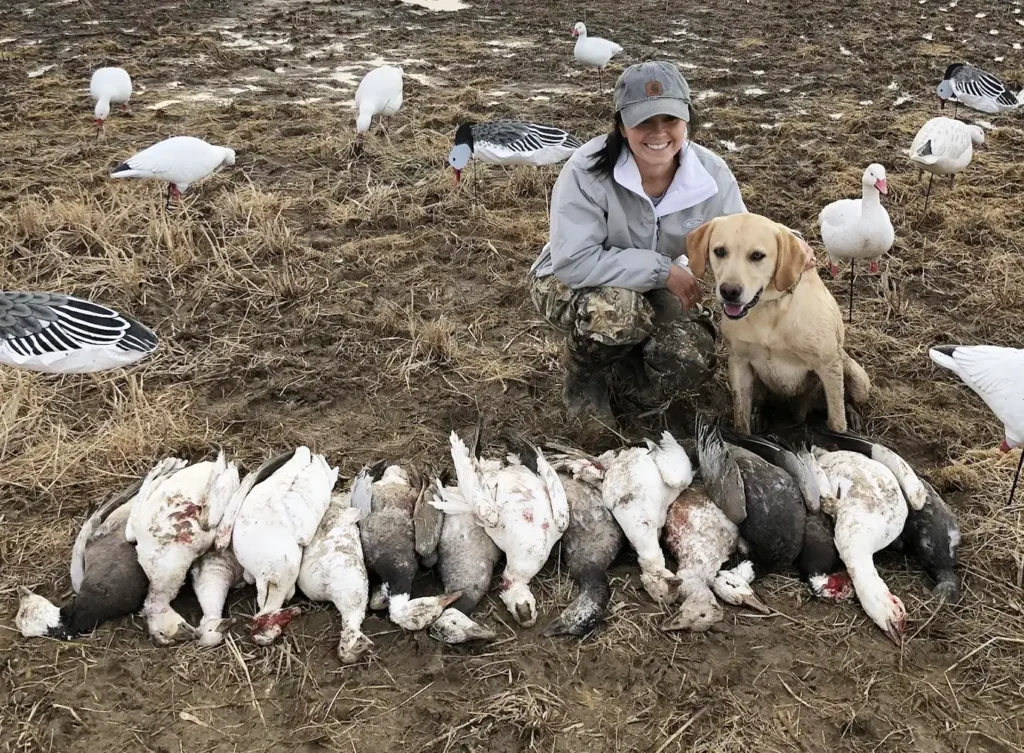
pixel 902 99
pixel 844 51
pixel 929 36
pixel 40 71
pixel 754 92
pixel 835 115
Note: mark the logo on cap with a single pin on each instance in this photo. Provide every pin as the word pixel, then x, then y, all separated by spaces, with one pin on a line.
pixel 653 89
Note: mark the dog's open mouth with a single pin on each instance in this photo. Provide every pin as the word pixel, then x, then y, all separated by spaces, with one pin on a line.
pixel 739 310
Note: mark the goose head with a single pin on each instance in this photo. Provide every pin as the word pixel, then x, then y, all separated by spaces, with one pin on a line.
pixel 167 627
pixel 733 587
pixel 229 156
pixel 579 29
pixel 697 614
pixel 267 628
pixel 520 601
pixel 945 93
pixel 352 645
pixel 977 134
pixel 36 617
pixel 887 611
pixel 874 177
pixel 416 614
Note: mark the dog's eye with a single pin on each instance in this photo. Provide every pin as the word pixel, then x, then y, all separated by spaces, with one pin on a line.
pixel 720 252
pixel 757 256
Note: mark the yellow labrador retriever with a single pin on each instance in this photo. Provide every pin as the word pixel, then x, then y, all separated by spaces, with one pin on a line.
pixel 781 325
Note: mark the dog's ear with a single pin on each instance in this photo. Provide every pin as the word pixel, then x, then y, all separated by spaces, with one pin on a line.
pixel 789 262
pixel 697 248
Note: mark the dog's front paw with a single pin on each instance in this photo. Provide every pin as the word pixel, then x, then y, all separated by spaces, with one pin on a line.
pixel 854 420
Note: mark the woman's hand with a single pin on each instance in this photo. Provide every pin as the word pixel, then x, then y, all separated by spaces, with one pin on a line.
pixel 683 285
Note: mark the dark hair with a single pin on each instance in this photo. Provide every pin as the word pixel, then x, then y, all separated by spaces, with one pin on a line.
pixel 603 163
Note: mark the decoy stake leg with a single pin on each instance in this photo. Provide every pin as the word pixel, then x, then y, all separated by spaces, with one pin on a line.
pixel 1016 477
pixel 853 272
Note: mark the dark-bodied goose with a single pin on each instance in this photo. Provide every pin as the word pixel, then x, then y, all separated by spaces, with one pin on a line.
pixel 510 142
pixel 975 88
pixel 61 334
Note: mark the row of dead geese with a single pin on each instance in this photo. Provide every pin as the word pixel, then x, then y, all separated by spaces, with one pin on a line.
pixel 767 504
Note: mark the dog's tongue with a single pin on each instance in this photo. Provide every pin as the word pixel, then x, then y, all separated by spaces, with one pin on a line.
pixel 732 309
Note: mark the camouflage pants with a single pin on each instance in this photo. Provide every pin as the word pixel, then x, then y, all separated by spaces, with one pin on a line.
pixel 677 345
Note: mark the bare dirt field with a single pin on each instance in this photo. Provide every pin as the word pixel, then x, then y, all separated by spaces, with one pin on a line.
pixel 364 306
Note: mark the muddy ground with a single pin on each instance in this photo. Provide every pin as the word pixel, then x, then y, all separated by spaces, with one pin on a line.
pixel 366 305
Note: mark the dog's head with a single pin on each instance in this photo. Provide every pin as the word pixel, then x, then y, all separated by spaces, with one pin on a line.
pixel 752 258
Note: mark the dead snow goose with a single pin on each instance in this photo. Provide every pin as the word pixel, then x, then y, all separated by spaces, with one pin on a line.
pixel 109 86
pixel 379 93
pixel 214 574
pixel 106 577
pixel 179 161
pixel 333 568
pixel 273 516
pixel 977 89
pixel 172 523
pixel 993 372
pixel 61 334
pixel 944 146
pixel 593 51
pixel 510 142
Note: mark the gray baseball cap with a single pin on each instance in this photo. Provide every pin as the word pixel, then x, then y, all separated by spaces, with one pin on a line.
pixel 652 88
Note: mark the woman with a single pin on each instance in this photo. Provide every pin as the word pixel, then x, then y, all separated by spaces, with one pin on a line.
pixel 614 273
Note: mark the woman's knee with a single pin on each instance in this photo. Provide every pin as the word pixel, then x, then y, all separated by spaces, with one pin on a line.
pixel 680 356
pixel 615 316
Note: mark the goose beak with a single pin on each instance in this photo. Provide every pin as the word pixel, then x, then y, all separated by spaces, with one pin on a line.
pixel 458 175
pixel 894 635
pixel 942 103
pixel 752 602
pixel 449 599
pixel 882 185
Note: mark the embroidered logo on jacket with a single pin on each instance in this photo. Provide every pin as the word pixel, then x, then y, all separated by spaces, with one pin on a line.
pixel 692 223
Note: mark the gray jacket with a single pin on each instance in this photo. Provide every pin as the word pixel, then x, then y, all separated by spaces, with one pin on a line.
pixel 607 232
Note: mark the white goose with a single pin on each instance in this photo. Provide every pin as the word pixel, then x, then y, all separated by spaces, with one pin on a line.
pixel 378 93
pixel 858 228
pixel 593 51
pixel 213 575
pixel 172 523
pixel 274 515
pixel 944 146
pixel 867 504
pixel 993 372
pixel 179 161
pixel 522 507
pixel 333 568
pixel 61 334
pixel 640 483
pixel 109 86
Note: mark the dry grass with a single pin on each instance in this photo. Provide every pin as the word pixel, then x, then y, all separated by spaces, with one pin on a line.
pixel 365 305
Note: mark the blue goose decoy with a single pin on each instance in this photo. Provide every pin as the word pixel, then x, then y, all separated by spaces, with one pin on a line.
pixel 510 142
pixel 975 88
pixel 61 334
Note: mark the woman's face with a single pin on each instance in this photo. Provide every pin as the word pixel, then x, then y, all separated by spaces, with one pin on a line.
pixel 656 141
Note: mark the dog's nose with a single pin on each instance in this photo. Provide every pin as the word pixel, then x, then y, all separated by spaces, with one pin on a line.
pixel 729 292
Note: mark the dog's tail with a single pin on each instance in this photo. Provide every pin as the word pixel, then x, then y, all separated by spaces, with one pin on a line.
pixel 858 383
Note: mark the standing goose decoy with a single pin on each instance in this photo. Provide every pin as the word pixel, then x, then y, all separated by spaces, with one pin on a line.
pixel 858 228
pixel 179 161
pixel 993 372
pixel 521 505
pixel 593 51
pixel 214 574
pixel 931 531
pixel 971 86
pixel 510 142
pixel 818 562
pixel 399 530
pixel 589 545
pixel 379 93
pixel 639 485
pixel 172 523
pixel 61 334
pixel 944 146
pixel 106 577
pixel 109 86
pixel 701 538
pixel 333 568
pixel 865 501
pixel 273 516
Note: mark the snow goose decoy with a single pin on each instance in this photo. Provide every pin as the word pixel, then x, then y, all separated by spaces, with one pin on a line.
pixel 61 334
pixel 818 562
pixel 272 518
pixel 214 574
pixel 931 531
pixel 639 484
pixel 522 506
pixel 172 523
pixel 399 530
pixel 944 146
pixel 333 568
pixel 993 372
pixel 179 161
pixel 865 501
pixel 510 142
pixel 378 93
pixel 589 544
pixel 858 228
pixel 971 86
pixel 106 577
pixel 701 538
pixel 593 51
pixel 109 86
